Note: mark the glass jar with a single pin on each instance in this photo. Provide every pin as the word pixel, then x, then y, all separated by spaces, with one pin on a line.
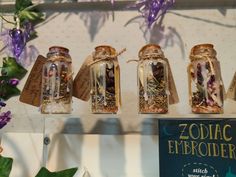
pixel 205 83
pixel 105 80
pixel 56 94
pixel 152 80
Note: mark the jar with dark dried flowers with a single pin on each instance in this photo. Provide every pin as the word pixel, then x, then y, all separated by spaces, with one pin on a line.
pixel 105 80
pixel 206 90
pixel 152 80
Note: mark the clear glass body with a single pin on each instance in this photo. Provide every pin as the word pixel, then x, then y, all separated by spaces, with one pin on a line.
pixel 104 77
pixel 56 95
pixel 153 85
pixel 206 87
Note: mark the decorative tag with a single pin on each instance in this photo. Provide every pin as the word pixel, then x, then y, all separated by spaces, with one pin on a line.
pixel 31 93
pixel 231 93
pixel 117 83
pixel 174 98
pixel 190 71
pixel 218 71
pixel 81 85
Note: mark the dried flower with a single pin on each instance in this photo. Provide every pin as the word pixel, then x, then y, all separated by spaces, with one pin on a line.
pixel 5 117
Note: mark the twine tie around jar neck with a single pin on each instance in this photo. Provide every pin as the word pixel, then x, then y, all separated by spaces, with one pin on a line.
pixel 149 51
pixel 57 58
pixel 148 57
pixel 67 60
pixel 58 53
pixel 100 56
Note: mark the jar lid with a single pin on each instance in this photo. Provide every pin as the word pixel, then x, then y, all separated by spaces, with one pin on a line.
pixel 198 47
pixel 58 49
pixel 150 49
pixel 202 50
pixel 105 49
pixel 58 53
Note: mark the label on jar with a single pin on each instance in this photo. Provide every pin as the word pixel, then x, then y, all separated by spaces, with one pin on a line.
pixel 31 93
pixel 81 84
pixel 232 92
pixel 174 98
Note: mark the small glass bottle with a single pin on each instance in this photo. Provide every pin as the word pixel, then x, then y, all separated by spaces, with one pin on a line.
pixel 205 83
pixel 105 81
pixel 152 80
pixel 56 94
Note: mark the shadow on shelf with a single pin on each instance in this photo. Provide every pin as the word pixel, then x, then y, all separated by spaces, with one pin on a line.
pixel 73 126
pixel 149 126
pixel 109 126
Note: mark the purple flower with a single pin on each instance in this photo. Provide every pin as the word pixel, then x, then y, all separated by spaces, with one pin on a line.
pixel 18 41
pixel 5 117
pixel 28 54
pixel 2 104
pixel 28 30
pixel 6 40
pixel 14 82
pixel 153 9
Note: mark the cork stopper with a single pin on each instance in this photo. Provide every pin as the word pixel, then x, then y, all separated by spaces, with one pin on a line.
pixel 58 49
pixel 202 49
pixel 104 50
pixel 58 53
pixel 150 49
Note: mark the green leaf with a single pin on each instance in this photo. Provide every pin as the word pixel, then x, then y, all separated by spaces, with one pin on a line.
pixel 7 91
pixel 5 166
pixel 65 173
pixel 30 15
pixel 22 4
pixel 12 69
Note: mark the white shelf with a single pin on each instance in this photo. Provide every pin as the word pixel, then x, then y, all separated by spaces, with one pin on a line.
pixel 75 123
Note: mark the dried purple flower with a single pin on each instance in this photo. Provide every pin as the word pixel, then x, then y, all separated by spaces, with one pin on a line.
pixel 5 117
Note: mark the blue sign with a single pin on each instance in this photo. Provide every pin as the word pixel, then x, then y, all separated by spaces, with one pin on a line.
pixel 197 148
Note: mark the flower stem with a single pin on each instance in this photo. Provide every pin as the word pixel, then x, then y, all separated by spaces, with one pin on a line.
pixel 17 22
pixel 1 16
